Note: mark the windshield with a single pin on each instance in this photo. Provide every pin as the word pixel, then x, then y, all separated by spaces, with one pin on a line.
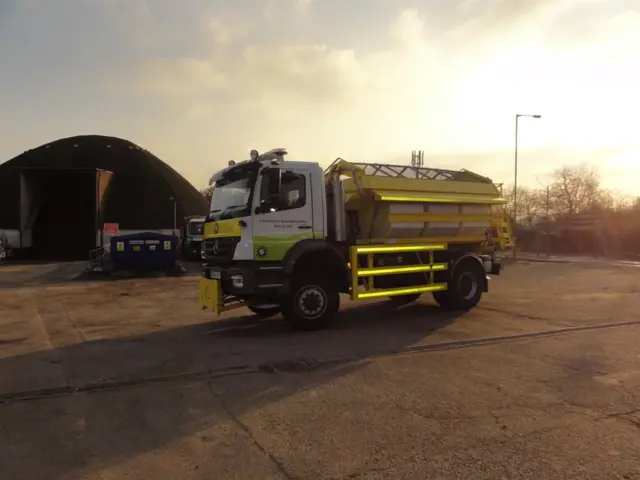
pixel 231 199
pixel 196 228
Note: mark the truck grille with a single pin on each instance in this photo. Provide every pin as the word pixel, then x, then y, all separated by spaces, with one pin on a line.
pixel 220 249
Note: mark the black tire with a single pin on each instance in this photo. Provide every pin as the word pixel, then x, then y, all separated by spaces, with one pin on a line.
pixel 442 299
pixel 464 290
pixel 399 300
pixel 312 304
pixel 265 311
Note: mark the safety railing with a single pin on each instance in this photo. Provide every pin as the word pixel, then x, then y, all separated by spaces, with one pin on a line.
pixel 429 268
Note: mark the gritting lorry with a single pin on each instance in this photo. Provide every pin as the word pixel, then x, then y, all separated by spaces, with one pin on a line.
pixel 287 237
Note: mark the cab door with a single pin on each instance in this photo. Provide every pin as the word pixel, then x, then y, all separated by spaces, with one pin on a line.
pixel 281 223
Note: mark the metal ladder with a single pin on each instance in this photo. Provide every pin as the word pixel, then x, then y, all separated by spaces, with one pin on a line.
pixel 504 233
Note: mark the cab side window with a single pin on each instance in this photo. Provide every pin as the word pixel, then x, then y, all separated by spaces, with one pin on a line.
pixel 293 192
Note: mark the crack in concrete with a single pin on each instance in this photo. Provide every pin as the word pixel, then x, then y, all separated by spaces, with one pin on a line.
pixel 620 414
pixel 624 417
pixel 522 315
pixel 249 369
pixel 356 475
pixel 277 463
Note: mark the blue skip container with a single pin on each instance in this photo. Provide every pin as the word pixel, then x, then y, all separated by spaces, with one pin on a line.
pixel 143 251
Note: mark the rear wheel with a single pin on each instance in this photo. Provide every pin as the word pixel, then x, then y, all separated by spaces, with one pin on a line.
pixel 266 310
pixel 312 304
pixel 464 290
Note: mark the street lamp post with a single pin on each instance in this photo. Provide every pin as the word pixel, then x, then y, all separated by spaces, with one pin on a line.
pixel 515 182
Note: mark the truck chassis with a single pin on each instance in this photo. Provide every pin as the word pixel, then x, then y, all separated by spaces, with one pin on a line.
pixel 307 301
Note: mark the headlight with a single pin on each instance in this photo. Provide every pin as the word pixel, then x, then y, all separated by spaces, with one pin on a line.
pixel 237 281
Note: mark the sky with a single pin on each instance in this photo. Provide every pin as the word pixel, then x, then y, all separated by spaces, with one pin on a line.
pixel 200 82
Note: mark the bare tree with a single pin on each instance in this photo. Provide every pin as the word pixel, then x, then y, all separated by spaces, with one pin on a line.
pixel 622 202
pixel 576 189
pixel 207 193
pixel 530 204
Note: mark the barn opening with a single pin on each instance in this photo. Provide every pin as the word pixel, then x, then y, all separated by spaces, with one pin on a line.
pixel 61 211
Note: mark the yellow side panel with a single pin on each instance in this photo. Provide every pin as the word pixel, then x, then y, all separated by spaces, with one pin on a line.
pixel 401 241
pixel 438 217
pixel 422 186
pixel 223 228
pixel 210 295
pixel 436 197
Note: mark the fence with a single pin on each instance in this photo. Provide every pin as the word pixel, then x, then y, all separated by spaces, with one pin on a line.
pixel 612 235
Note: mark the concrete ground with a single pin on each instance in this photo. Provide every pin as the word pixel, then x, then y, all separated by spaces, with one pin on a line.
pixel 129 379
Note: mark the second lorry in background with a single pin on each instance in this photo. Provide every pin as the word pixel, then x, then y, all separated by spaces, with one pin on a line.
pixel 191 236
pixel 287 237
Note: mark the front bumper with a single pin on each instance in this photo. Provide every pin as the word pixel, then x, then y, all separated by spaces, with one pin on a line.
pixel 222 287
pixel 195 248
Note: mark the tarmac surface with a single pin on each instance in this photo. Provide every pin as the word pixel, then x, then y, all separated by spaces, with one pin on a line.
pixel 130 379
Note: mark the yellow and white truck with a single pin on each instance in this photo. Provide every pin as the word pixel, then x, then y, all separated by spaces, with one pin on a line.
pixel 287 237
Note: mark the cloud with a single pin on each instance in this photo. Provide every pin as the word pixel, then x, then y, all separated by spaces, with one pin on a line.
pixel 225 33
pixel 451 90
pixel 290 72
pixel 303 6
pixel 417 67
pixel 316 73
pixel 419 59
pixel 408 28
pixel 259 76
pixel 182 78
pixel 221 34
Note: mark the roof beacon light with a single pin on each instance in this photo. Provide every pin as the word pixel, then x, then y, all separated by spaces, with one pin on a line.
pixel 276 155
pixel 254 154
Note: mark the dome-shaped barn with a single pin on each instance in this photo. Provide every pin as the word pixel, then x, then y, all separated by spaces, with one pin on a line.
pixel 55 199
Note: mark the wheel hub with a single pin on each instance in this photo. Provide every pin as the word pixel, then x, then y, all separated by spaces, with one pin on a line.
pixel 312 302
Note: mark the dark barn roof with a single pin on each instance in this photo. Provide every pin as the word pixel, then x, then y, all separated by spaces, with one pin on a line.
pixel 140 189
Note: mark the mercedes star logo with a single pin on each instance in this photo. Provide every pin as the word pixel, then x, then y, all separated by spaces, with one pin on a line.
pixel 216 246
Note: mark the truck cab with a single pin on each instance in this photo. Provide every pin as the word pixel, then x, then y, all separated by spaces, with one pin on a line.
pixel 260 209
pixel 191 236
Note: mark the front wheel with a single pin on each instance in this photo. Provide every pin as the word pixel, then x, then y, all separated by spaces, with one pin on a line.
pixel 312 304
pixel 464 290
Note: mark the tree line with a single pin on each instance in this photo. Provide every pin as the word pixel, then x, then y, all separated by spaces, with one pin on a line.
pixel 575 189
